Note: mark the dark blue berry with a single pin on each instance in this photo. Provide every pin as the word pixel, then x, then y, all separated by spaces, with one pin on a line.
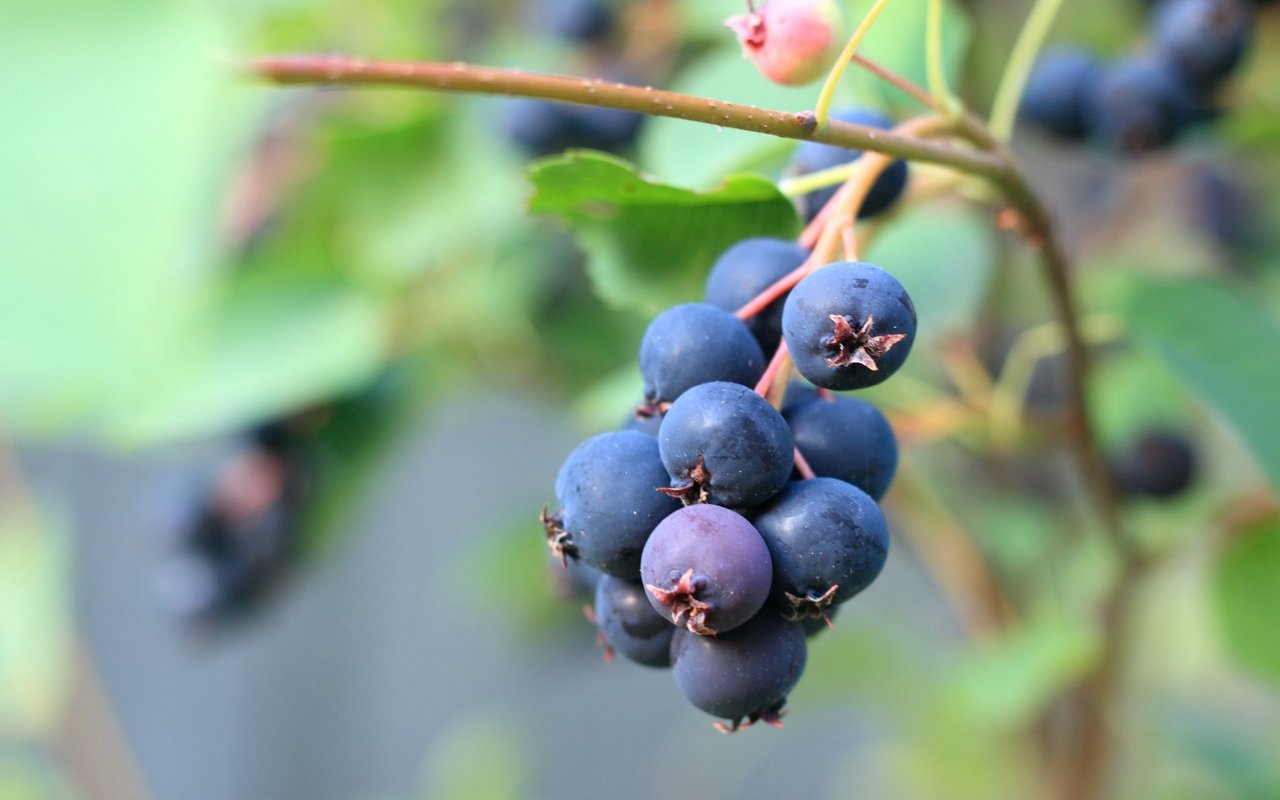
pixel 812 626
pixel 609 503
pixel 1137 106
pixel 1054 96
pixel 848 325
pixel 828 541
pixel 742 676
pixel 541 127
pixel 629 623
pixel 696 343
pixel 707 568
pixel 845 438
pixel 646 418
pixel 581 21
pixel 722 443
pixel 574 579
pixel 747 269
pixel 814 156
pixel 1203 40
pixel 1158 463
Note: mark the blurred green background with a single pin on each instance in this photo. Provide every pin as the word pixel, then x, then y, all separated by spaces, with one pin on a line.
pixel 185 254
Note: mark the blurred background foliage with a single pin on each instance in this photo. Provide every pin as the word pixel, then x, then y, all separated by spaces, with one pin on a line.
pixel 187 255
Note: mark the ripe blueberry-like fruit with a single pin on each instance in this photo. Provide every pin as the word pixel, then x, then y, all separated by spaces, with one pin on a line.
pixel 722 443
pixel 1054 96
pixel 609 503
pixel 646 418
pixel 696 343
pixel 845 438
pixel 747 269
pixel 828 541
pixel 706 567
pixel 573 578
pixel 541 127
pixel 581 21
pixel 815 156
pixel 1137 106
pixel 1158 463
pixel 744 675
pixel 630 625
pixel 792 42
pixel 848 325
pixel 1203 40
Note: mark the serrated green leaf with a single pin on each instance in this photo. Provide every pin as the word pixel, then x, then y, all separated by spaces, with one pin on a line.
pixel 1222 348
pixel 1248 595
pixel 650 244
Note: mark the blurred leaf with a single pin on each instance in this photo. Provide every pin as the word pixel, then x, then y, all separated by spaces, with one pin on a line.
pixel 266 348
pixel 1007 681
pixel 650 244
pixel 1132 391
pixel 942 255
pixel 350 449
pixel 115 134
pixel 26 777
pixel 479 757
pixel 897 41
pixel 1245 579
pixel 1223 348
pixel 35 622
pixel 699 155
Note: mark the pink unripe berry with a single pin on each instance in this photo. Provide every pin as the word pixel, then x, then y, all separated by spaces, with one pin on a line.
pixel 792 42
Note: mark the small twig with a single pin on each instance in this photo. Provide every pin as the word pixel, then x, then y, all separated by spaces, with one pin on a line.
pixel 460 77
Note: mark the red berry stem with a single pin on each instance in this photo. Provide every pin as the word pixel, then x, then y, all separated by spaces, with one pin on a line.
pixel 776 364
pixel 806 471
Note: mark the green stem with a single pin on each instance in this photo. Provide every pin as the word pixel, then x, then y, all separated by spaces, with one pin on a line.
pixel 943 101
pixel 812 181
pixel 1004 110
pixel 823 110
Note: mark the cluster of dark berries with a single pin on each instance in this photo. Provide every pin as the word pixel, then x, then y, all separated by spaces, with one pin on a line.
pixel 542 127
pixel 1141 103
pixel 234 540
pixel 717 554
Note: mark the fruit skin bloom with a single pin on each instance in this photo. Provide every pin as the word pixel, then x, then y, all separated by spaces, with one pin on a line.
pixel 792 42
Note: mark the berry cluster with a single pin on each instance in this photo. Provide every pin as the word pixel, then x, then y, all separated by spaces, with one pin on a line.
pixel 1142 102
pixel 724 529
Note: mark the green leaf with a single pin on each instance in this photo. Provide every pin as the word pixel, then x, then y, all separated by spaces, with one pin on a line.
pixel 650 244
pixel 943 256
pixel 1223 348
pixel 1009 680
pixel 123 125
pixel 266 348
pixel 35 622
pixel 1248 597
